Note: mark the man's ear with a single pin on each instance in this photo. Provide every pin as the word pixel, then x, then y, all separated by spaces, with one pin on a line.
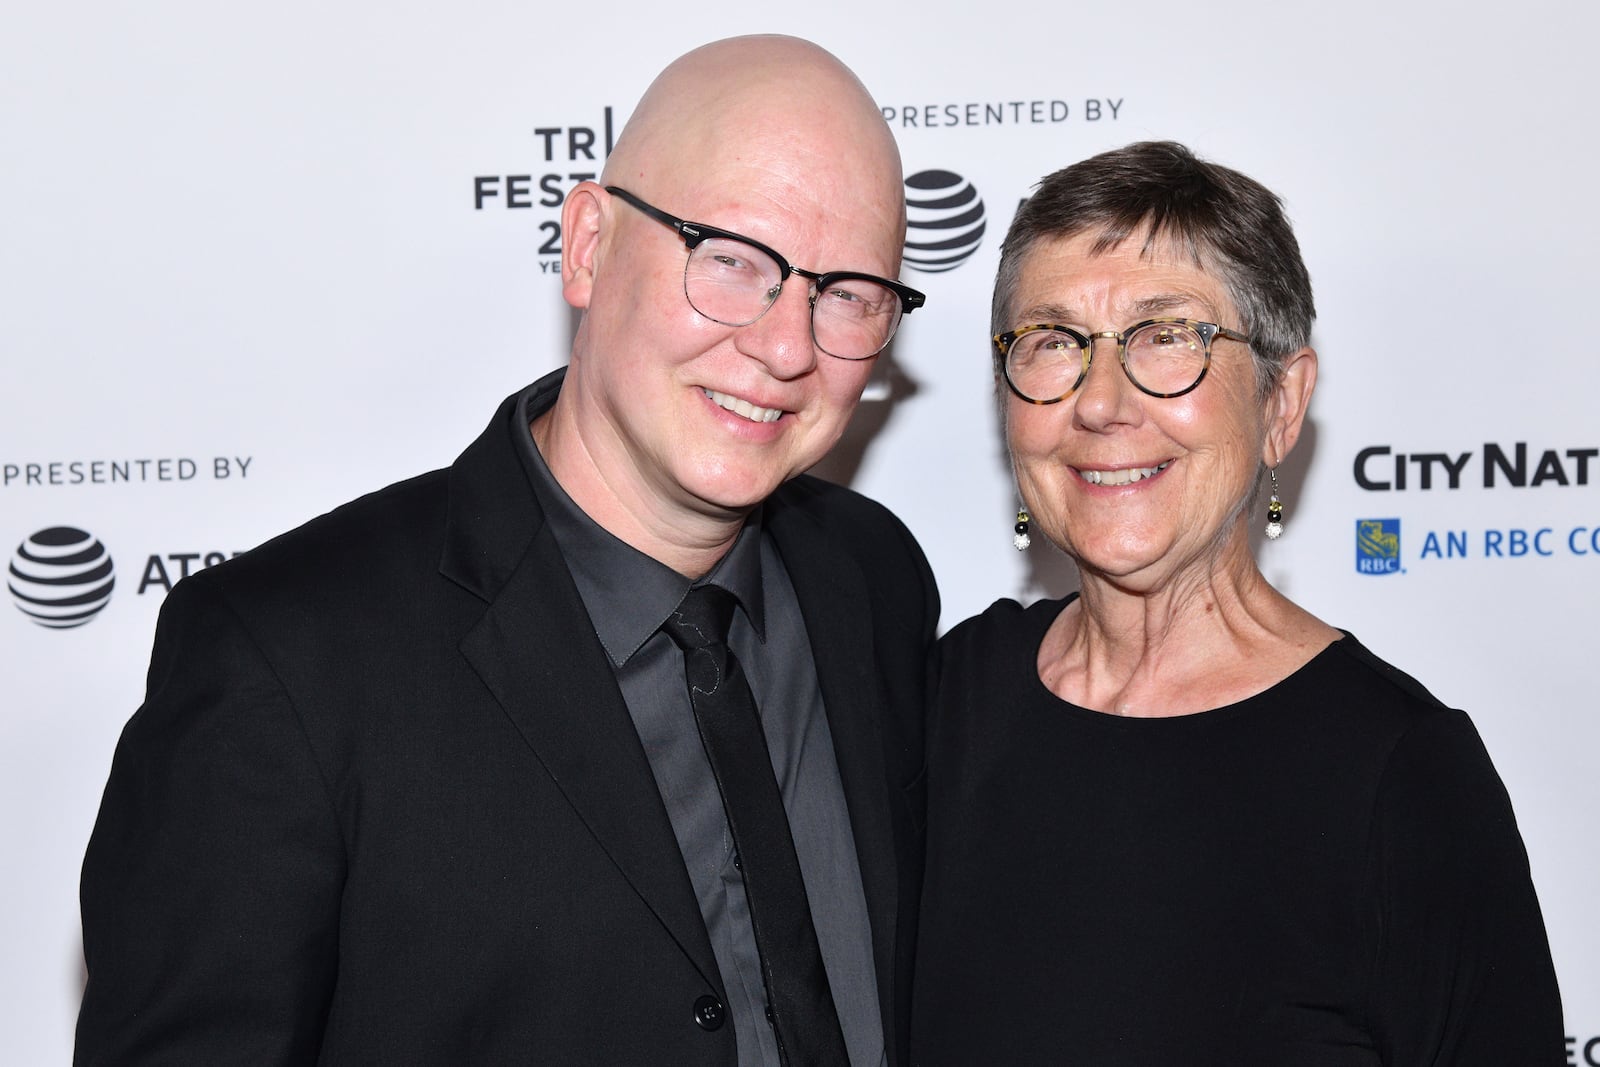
pixel 582 218
pixel 1287 403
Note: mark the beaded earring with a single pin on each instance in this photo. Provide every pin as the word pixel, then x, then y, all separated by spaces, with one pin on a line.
pixel 1274 509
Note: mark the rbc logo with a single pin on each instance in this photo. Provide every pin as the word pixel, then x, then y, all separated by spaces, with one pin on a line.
pixel 1377 546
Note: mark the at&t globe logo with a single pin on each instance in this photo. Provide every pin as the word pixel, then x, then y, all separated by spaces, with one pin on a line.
pixel 944 221
pixel 61 577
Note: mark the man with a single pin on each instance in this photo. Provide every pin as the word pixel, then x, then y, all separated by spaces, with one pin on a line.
pixel 422 782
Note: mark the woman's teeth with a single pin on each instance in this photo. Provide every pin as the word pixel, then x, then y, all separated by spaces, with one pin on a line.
pixel 1124 476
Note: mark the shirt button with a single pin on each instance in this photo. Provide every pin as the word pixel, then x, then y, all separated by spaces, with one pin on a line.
pixel 709 1013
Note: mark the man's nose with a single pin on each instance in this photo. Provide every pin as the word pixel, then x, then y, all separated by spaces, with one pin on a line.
pixel 781 338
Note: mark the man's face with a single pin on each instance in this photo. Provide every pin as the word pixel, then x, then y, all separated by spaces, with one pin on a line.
pixel 681 412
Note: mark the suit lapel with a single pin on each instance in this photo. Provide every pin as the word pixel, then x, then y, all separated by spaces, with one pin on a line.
pixel 838 616
pixel 535 650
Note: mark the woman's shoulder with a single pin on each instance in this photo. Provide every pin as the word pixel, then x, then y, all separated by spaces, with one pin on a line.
pixel 1365 702
pixel 1359 665
pixel 994 652
pixel 1349 673
pixel 1006 620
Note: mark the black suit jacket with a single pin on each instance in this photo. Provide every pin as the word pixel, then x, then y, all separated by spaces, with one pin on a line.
pixel 384 802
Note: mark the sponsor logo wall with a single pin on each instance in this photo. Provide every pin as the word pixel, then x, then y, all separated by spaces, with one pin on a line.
pixel 251 272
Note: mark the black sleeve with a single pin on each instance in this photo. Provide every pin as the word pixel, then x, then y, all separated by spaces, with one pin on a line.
pixel 211 886
pixel 1463 970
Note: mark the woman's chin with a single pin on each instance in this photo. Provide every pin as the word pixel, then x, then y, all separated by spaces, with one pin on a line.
pixel 1136 572
pixel 1119 556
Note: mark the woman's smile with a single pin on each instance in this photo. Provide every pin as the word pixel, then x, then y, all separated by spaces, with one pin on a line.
pixel 1120 475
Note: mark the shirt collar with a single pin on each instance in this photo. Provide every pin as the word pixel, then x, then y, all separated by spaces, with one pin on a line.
pixel 628 594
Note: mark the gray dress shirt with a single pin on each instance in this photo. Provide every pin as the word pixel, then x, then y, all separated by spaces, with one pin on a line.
pixel 628 595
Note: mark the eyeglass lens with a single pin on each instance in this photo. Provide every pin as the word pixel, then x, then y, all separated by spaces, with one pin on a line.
pixel 1162 357
pixel 734 283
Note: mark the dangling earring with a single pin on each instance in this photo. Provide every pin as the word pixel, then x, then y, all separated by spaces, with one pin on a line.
pixel 1019 535
pixel 1274 509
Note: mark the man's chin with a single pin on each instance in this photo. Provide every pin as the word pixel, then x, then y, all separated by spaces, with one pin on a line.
pixel 730 494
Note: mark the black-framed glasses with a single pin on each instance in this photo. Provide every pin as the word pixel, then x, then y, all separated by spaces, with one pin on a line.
pixel 733 280
pixel 1045 363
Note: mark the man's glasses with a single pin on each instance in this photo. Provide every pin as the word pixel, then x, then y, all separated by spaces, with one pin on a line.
pixel 733 280
pixel 1162 357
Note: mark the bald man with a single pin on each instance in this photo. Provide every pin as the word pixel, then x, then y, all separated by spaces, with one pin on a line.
pixel 421 782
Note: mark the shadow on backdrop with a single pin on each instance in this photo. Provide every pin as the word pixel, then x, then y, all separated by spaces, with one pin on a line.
pixel 888 387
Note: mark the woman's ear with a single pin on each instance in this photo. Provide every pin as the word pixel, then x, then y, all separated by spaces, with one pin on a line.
pixel 1287 403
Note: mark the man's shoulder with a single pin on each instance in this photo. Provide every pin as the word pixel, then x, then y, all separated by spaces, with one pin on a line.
pixel 830 503
pixel 376 550
pixel 401 519
pixel 845 520
pixel 376 539
pixel 851 534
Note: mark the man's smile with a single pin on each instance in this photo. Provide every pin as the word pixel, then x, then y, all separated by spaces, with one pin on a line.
pixel 743 407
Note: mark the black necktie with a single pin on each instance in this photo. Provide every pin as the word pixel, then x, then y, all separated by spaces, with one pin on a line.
pixel 799 1002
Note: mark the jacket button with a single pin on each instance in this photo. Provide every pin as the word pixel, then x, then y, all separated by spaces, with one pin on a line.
pixel 709 1013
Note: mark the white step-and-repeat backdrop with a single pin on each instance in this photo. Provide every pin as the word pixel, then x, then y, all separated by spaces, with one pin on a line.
pixel 257 260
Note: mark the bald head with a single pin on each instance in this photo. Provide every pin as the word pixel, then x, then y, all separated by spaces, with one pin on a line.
pixel 774 104
pixel 676 419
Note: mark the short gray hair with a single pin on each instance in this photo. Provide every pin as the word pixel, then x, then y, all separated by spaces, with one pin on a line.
pixel 1231 225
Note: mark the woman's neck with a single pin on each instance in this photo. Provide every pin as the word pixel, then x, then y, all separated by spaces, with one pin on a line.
pixel 1203 638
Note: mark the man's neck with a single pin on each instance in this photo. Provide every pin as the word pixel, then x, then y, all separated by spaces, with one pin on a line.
pixel 689 541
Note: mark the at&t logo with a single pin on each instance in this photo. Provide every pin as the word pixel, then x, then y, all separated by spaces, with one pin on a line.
pixel 944 221
pixel 61 577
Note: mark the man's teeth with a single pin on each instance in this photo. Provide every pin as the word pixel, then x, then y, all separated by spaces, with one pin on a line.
pixel 1120 477
pixel 744 407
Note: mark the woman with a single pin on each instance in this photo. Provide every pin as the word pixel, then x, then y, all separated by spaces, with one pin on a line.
pixel 1177 819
